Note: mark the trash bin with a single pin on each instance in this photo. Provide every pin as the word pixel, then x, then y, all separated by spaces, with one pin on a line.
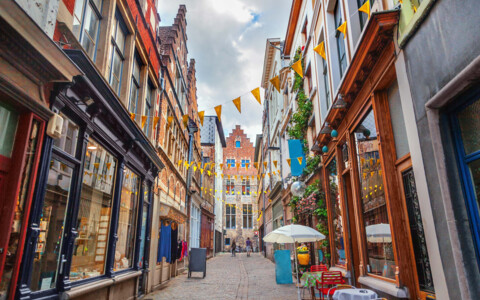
pixel 197 261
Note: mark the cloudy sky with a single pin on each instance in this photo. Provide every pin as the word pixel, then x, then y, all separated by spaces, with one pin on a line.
pixel 227 40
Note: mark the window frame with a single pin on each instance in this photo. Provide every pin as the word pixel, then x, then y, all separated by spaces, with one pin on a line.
pixel 249 214
pixel 340 39
pixel 135 83
pixel 98 13
pixel 148 108
pixel 119 24
pixel 230 215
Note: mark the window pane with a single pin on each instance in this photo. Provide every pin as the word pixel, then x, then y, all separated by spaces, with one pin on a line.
pixel 8 129
pixel 469 120
pixel 474 168
pixel 237 144
pixel 49 243
pixel 120 39
pixel 132 106
pixel 116 71
pixel 126 222
pixel 68 141
pixel 77 17
pixel 377 226
pixel 93 223
pixel 90 31
pixel 336 213
pixel 141 253
pixel 398 124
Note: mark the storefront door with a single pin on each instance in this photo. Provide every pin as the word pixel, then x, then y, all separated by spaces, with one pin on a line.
pixel 20 141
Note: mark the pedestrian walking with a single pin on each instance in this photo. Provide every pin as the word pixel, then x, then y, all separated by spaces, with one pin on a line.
pixel 233 247
pixel 249 246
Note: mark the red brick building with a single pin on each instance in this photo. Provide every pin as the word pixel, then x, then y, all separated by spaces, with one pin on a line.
pixel 240 177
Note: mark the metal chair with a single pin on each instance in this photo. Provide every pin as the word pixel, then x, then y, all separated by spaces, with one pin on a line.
pixel 318 268
pixel 340 287
pixel 330 279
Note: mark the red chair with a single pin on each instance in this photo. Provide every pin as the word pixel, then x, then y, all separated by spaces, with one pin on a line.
pixel 318 268
pixel 329 281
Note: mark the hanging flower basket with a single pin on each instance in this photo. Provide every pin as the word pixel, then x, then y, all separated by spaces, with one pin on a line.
pixel 303 255
pixel 307 205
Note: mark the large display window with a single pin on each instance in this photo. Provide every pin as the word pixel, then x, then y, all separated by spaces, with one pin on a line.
pixel 126 221
pixel 380 256
pixel 93 220
pixel 337 218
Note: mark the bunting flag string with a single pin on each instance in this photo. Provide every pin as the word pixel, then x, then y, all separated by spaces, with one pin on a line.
pixel 320 49
pixel 218 110
pixel 275 81
pixel 297 67
pixel 201 116
pixel 256 93
pixel 343 29
pixel 365 8
pixel 238 104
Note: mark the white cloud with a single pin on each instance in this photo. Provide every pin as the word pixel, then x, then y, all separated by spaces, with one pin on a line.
pixel 227 39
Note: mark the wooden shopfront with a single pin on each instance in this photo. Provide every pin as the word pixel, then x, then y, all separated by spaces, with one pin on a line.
pixel 88 234
pixel 375 228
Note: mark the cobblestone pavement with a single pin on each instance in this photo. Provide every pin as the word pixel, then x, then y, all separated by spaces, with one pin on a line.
pixel 239 277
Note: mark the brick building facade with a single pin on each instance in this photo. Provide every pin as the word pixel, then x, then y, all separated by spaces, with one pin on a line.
pixel 240 209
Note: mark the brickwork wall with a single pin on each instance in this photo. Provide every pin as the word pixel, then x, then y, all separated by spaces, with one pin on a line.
pixel 245 151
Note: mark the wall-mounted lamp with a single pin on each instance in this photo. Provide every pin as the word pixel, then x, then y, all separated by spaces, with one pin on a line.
pixel 340 103
pixel 326 129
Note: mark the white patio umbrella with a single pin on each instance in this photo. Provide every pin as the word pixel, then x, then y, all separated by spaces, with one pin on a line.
pixel 291 234
pixel 379 233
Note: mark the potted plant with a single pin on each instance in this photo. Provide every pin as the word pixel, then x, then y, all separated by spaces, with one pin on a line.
pixel 303 256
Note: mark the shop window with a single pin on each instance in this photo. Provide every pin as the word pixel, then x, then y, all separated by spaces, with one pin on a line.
pixel 126 221
pixel 93 221
pixel 86 24
pixel 227 241
pixel 117 58
pixel 230 216
pixel 143 230
pixel 8 124
pixel 342 56
pixel 134 86
pixel 247 216
pixel 246 186
pixel 336 209
pixel 277 215
pixel 378 237
pixel 20 206
pixel 49 244
pixel 68 140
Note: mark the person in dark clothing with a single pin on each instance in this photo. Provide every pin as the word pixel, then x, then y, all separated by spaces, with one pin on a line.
pixel 233 247
pixel 249 246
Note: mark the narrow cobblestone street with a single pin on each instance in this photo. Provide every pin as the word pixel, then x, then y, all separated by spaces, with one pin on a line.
pixel 239 277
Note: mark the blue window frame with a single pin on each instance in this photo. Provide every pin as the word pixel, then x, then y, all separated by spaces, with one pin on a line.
pixel 231 163
pixel 245 162
pixel 148 111
pixel 227 241
pixel 465 121
pixel 117 57
pixel 86 24
pixel 134 85
pixel 237 144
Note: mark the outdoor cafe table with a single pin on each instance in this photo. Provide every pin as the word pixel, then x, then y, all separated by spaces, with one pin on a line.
pixel 354 294
pixel 310 279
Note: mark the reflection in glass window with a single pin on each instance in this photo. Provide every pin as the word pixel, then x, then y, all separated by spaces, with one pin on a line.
pixel 336 209
pixel 68 141
pixel 230 186
pixel 134 86
pixel 246 186
pixel 126 222
pixel 342 57
pixel 377 226
pixel 141 253
pixel 93 223
pixel 117 56
pixel 8 125
pixel 86 24
pixel 52 221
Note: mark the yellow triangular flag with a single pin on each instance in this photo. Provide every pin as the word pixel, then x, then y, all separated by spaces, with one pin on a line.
pixel 169 121
pixel 194 168
pixel 238 104
pixel 343 29
pixel 275 163
pixel 185 120
pixel 365 8
pixel 300 159
pixel 256 94
pixel 265 164
pixel 201 171
pixel 255 164
pixel 201 115
pixel 246 165
pixel 96 165
pixel 109 165
pixel 238 166
pixel 155 121
pixel 221 166
pixel 132 116
pixel 297 67
pixel 289 161
pixel 144 119
pixel 276 82
pixel 320 49
pixel 218 110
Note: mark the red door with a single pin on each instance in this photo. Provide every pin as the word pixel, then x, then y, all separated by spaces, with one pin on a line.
pixel 20 144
